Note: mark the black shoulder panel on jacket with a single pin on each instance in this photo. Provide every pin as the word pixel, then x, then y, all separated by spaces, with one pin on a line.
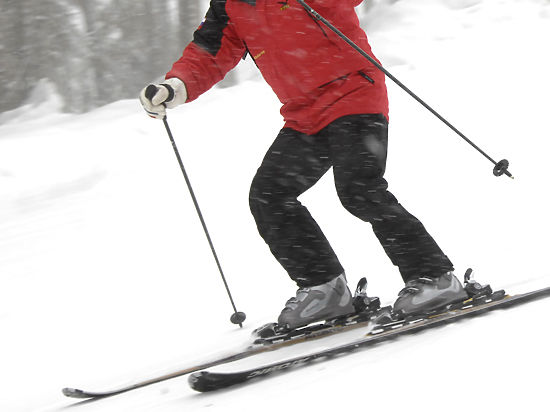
pixel 209 35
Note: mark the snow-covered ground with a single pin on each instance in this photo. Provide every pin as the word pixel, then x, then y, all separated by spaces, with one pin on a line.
pixel 106 276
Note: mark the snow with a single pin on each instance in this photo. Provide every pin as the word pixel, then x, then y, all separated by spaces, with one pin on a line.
pixel 106 276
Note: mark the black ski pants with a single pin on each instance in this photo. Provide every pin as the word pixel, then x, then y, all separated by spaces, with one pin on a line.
pixel 356 147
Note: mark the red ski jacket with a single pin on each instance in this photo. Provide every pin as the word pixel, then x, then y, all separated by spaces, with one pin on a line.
pixel 314 73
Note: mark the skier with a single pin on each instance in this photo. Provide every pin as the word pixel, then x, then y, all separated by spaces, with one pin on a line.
pixel 335 107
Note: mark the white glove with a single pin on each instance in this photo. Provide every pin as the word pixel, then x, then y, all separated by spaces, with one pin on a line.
pixel 155 98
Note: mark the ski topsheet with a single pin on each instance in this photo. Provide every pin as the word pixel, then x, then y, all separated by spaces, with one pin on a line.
pixel 209 381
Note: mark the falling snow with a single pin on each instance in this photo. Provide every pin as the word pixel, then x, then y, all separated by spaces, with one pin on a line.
pixel 106 277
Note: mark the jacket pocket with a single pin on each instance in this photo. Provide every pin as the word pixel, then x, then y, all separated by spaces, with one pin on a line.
pixel 366 77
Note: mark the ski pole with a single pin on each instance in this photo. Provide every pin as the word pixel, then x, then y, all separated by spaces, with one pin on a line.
pixel 500 168
pixel 237 318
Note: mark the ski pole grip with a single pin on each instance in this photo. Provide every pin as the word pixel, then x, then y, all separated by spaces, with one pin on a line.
pixel 150 91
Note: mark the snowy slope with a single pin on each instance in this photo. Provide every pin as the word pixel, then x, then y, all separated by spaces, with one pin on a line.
pixel 106 277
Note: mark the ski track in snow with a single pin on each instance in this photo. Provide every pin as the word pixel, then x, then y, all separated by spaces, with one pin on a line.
pixel 106 277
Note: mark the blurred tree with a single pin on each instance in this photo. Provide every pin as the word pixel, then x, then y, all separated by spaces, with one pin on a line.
pixel 44 40
pixel 11 54
pixel 93 51
pixel 54 39
pixel 190 15
pixel 90 20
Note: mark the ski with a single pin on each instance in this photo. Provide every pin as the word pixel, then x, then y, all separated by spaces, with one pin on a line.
pixel 258 346
pixel 266 338
pixel 210 381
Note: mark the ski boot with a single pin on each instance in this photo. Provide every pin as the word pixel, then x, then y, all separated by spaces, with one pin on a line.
pixel 426 294
pixel 366 309
pixel 317 303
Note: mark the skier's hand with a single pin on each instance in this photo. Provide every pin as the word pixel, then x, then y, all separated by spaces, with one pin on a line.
pixel 155 98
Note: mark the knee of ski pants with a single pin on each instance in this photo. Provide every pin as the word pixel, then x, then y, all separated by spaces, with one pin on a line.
pixel 365 199
pixel 270 203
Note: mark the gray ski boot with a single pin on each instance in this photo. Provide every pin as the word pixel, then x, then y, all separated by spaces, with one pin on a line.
pixel 317 303
pixel 426 294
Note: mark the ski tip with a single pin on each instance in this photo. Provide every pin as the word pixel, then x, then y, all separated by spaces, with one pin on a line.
pixel 74 393
pixel 199 381
pixel 205 381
